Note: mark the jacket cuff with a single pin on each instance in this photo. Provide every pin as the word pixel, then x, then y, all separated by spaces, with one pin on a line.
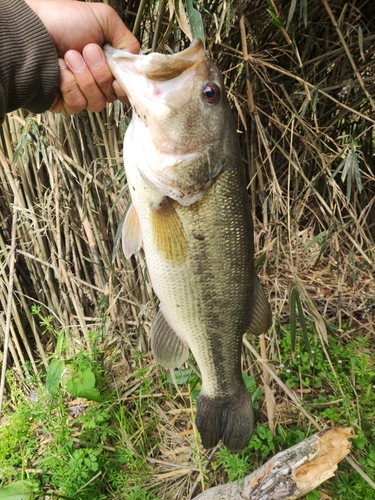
pixel 29 70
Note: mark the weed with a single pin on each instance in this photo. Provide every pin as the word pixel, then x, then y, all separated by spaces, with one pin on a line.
pixel 330 382
pixel 74 446
pixel 262 442
pixel 338 387
pixel 236 465
pixel 18 442
pixel 313 495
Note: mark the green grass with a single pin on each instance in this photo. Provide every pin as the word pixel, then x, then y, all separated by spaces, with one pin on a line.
pixel 75 451
pixel 82 441
pixel 337 389
pixel 71 437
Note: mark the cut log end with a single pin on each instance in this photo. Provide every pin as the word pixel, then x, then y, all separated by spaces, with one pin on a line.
pixel 291 473
pixel 332 447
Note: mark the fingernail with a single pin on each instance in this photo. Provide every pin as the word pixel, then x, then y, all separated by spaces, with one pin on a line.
pixel 62 64
pixel 94 56
pixel 75 61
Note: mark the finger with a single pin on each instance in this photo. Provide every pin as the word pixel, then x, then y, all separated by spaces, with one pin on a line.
pixel 95 98
pixel 58 105
pixel 70 98
pixel 97 63
pixel 119 91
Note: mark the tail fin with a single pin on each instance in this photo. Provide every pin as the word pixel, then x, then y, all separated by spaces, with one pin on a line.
pixel 232 423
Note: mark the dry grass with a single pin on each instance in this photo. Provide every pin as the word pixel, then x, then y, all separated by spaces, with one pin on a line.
pixel 301 90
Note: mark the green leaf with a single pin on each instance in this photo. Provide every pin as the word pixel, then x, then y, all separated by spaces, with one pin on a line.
pixel 262 432
pixel 323 245
pixel 313 495
pixel 341 164
pixel 249 382
pixel 182 376
pixel 60 342
pixel 17 491
pixel 303 12
pixel 357 172
pixel 291 13
pixel 22 143
pixel 83 386
pixel 195 20
pixel 314 240
pixel 347 172
pixel 318 383
pixel 54 373
pixel 304 328
pixel 276 21
pixel 293 326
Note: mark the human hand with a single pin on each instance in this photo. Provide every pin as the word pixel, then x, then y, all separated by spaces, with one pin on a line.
pixel 79 30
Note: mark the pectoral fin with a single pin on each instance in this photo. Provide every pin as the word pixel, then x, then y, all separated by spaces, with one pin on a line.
pixel 168 232
pixel 261 318
pixel 131 233
pixel 168 349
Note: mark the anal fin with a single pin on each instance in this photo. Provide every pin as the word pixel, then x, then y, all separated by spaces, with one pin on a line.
pixel 167 347
pixel 261 317
pixel 131 233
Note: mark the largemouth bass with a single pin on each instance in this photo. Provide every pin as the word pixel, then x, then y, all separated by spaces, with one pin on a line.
pixel 190 211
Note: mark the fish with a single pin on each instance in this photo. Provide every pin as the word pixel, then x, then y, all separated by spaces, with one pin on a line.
pixel 190 212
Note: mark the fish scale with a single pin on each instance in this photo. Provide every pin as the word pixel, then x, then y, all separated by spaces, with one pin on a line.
pixel 190 211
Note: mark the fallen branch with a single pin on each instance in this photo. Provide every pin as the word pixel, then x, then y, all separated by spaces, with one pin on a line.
pixel 291 473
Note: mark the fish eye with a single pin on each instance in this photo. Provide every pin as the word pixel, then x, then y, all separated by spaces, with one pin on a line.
pixel 211 93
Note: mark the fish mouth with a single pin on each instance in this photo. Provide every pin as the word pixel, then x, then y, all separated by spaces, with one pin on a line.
pixel 154 80
pixel 155 66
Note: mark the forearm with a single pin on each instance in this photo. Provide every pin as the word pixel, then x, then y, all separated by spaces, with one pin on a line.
pixel 29 71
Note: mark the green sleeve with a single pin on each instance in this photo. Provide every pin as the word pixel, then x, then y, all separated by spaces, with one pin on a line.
pixel 29 70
